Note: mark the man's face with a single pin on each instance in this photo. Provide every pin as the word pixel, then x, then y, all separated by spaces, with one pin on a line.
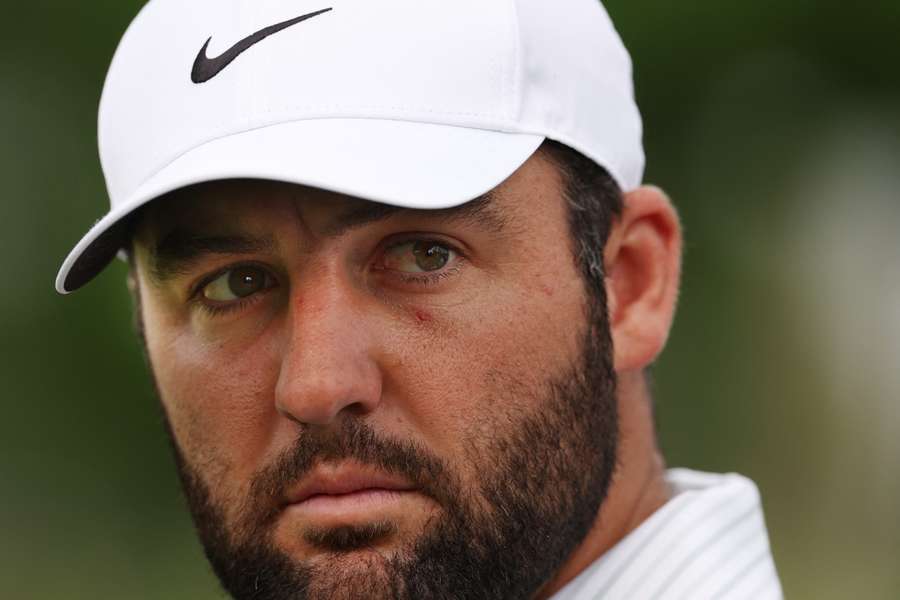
pixel 372 403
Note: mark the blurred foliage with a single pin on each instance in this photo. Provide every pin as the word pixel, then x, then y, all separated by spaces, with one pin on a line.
pixel 775 127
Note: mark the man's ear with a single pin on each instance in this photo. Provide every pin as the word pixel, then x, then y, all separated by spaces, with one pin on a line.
pixel 643 270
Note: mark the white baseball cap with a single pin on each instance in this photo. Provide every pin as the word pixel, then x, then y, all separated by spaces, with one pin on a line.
pixel 416 103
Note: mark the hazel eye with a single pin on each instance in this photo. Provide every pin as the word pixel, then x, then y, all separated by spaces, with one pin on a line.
pixel 419 257
pixel 236 284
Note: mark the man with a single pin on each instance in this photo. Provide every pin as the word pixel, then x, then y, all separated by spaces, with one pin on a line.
pixel 398 283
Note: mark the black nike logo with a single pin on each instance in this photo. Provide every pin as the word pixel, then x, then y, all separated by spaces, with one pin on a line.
pixel 206 68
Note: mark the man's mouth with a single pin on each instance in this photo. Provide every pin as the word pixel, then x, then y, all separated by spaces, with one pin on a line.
pixel 346 492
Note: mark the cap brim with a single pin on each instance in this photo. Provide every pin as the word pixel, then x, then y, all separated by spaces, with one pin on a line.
pixel 414 165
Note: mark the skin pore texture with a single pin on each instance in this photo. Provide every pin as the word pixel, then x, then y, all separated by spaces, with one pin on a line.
pixel 450 364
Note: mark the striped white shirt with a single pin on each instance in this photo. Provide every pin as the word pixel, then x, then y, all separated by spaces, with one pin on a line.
pixel 708 542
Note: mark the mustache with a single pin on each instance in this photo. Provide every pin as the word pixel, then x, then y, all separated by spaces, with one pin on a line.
pixel 351 439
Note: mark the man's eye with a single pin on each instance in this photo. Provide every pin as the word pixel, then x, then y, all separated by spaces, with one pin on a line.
pixel 236 284
pixel 418 257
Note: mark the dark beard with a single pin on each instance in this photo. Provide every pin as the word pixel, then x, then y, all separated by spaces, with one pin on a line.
pixel 542 482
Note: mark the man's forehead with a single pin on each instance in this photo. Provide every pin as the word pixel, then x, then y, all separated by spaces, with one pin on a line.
pixel 232 205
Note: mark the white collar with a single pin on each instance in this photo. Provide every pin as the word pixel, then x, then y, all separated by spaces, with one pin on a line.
pixel 708 541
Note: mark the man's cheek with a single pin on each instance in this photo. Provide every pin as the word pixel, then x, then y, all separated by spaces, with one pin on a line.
pixel 458 368
pixel 219 406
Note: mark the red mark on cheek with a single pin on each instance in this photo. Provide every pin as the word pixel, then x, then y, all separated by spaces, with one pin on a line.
pixel 548 291
pixel 423 316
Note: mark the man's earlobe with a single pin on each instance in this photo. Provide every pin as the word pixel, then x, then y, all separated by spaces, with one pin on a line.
pixel 643 271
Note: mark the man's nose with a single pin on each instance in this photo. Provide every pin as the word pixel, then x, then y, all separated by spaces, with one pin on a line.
pixel 329 362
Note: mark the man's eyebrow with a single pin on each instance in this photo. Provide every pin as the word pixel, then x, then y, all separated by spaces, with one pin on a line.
pixel 480 212
pixel 179 248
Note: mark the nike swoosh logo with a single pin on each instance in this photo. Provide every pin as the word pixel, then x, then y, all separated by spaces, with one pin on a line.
pixel 206 68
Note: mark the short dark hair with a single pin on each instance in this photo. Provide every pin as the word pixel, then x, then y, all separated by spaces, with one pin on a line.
pixel 595 201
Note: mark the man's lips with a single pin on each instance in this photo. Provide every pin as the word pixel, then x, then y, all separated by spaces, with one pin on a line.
pixel 344 480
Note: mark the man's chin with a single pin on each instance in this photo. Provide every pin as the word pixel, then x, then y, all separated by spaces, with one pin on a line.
pixel 363 573
pixel 353 561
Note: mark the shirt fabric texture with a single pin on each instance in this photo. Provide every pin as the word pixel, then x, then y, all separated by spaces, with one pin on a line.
pixel 708 541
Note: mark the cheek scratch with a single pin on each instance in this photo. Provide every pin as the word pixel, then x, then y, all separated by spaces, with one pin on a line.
pixel 423 316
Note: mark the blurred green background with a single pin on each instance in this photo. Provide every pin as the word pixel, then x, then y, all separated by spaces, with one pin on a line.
pixel 775 127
